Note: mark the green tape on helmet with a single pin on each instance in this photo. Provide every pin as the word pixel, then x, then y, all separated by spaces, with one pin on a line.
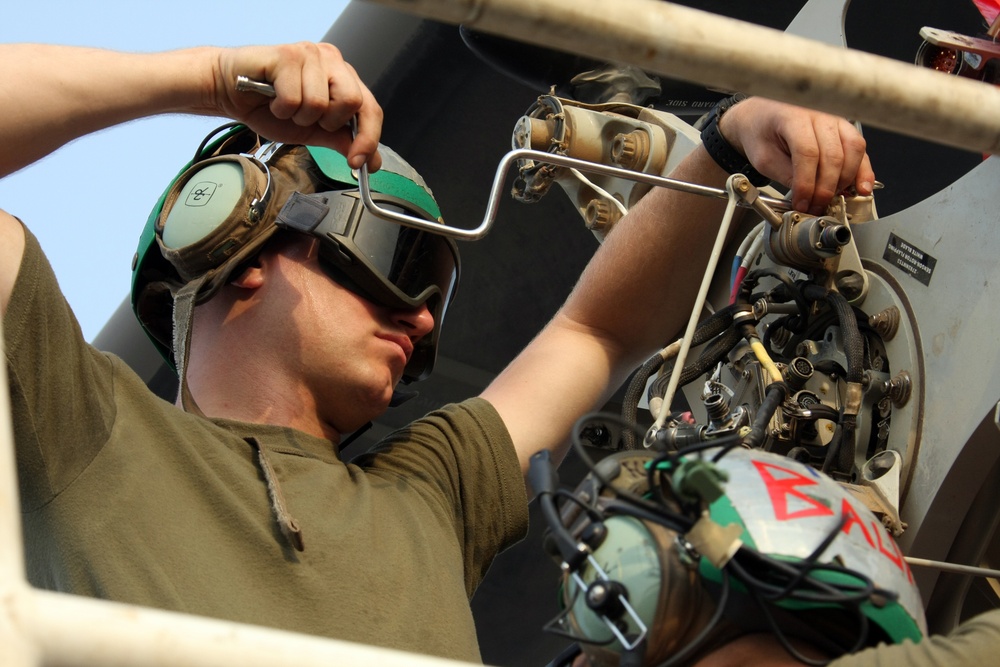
pixel 395 178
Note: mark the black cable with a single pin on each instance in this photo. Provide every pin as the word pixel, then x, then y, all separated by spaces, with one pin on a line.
pixel 592 512
pixel 577 443
pixel 780 634
pixel 862 634
pixel 726 443
pixel 794 291
pixel 630 402
pixel 707 329
pixel 821 591
pixel 773 397
pixel 832 449
pixel 199 153
pixel 805 566
pixel 566 656
pixel 713 353
pixel 817 411
pixel 777 324
pixel 675 522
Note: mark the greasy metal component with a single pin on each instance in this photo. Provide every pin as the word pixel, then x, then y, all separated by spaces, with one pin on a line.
pixel 798 372
pixel 805 242
pixel 630 138
pixel 898 389
pixel 542 128
pixel 885 322
pixel 717 406
pixel 533 133
pixel 600 216
pixel 603 134
pixel 630 151
pixel 813 244
pixel 882 507
pixel 845 270
pixel 751 195
pixel 854 208
pixel 954 53
pixel 625 84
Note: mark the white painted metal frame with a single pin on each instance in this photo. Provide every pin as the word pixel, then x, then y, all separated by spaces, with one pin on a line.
pixel 712 50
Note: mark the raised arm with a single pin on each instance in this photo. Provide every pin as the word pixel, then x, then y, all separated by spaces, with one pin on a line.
pixel 52 95
pixel 638 290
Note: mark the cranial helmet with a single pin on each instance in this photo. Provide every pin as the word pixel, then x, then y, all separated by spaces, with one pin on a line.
pixel 686 552
pixel 240 190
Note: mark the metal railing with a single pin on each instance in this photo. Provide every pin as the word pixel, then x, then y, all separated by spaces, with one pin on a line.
pixel 716 51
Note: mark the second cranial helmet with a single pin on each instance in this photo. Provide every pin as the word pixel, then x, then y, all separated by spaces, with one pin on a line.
pixel 666 558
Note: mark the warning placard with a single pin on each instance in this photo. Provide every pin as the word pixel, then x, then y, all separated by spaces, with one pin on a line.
pixel 909 258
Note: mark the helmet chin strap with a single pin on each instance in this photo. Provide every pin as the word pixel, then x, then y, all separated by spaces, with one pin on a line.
pixel 184 303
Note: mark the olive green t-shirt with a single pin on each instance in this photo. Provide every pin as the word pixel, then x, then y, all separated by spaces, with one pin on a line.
pixel 975 642
pixel 128 498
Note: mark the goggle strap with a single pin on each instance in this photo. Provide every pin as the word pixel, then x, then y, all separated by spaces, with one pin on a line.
pixel 184 303
pixel 303 213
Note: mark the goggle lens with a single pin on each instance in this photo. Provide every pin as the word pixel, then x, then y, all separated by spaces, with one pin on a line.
pixel 414 262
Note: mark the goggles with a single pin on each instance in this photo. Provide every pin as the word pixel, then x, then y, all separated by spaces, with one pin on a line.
pixel 383 261
pixel 219 213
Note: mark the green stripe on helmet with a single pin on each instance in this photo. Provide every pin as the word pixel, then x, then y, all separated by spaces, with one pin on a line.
pixel 405 186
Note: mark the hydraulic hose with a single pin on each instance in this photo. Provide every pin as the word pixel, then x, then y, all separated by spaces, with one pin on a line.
pixel 854 350
pixel 710 356
pixel 630 404
pixel 711 327
pixel 774 396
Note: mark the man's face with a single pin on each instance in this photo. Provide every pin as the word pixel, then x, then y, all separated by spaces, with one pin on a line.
pixel 348 353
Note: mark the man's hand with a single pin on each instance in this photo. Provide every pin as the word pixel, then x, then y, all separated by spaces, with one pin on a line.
pixel 815 154
pixel 316 94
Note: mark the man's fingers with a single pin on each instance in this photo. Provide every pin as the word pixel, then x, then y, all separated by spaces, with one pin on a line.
pixel 857 169
pixel 805 160
pixel 317 93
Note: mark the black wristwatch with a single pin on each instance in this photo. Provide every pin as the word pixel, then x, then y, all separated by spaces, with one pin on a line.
pixel 727 157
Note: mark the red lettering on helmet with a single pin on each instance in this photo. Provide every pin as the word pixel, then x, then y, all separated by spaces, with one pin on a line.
pixel 787 485
pixel 888 548
pixel 851 519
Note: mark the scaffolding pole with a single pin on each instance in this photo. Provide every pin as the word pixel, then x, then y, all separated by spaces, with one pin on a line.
pixel 719 52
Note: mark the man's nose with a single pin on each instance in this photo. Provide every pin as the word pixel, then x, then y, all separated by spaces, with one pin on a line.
pixel 417 322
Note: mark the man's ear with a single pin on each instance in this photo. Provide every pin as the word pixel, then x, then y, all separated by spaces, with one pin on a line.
pixel 250 277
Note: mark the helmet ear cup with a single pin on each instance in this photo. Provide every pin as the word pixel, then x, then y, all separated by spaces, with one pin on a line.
pixel 642 559
pixel 206 198
pixel 211 237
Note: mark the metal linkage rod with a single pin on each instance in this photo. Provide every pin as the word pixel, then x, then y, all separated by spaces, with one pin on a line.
pixel 701 47
pixel 954 567
pixel 497 192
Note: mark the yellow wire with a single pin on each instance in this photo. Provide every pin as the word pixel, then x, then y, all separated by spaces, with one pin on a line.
pixel 765 360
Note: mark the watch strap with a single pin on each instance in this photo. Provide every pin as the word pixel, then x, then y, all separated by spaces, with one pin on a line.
pixel 727 157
